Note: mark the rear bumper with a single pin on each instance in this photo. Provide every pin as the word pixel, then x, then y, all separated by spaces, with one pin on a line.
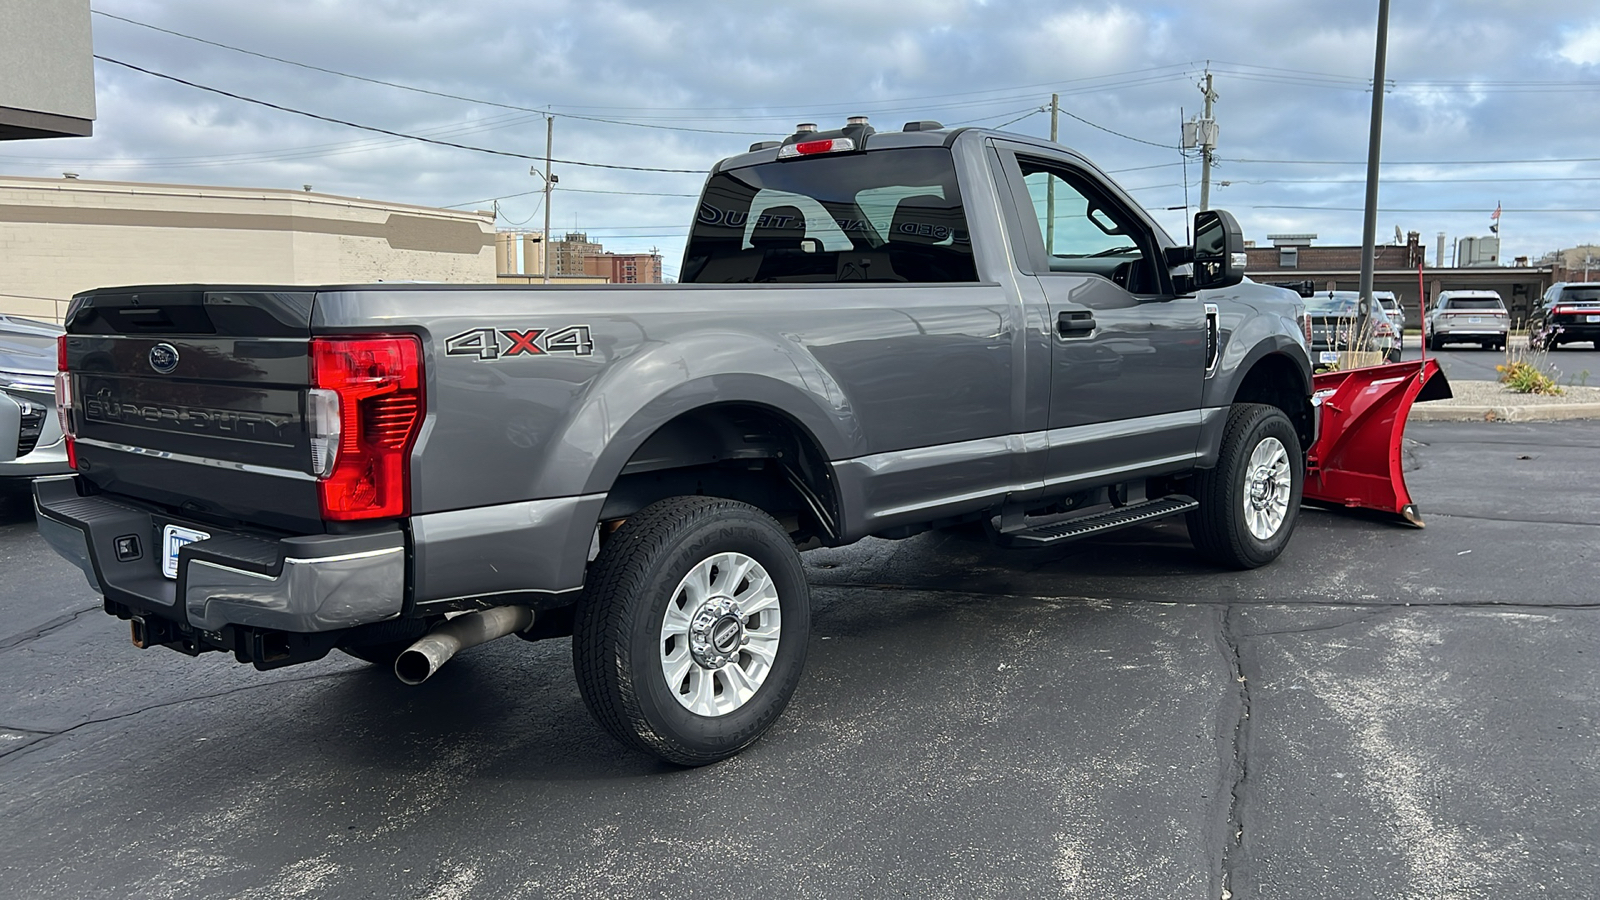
pixel 309 584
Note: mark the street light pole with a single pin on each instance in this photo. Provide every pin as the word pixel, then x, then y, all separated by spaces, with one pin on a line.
pixel 1369 227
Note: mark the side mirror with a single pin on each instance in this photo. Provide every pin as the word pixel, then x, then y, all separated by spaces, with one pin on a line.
pixel 1219 257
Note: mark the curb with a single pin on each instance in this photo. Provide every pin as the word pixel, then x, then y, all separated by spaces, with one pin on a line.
pixel 1434 412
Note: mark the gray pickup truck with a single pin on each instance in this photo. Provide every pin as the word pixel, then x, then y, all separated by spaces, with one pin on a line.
pixel 875 334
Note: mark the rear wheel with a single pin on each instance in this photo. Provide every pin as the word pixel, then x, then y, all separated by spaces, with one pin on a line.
pixel 691 633
pixel 1249 503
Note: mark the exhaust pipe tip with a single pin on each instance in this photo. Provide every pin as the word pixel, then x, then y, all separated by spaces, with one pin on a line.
pixel 418 662
pixel 415 666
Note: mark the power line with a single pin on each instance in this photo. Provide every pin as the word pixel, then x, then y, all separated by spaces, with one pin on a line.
pixel 374 128
pixel 1342 181
pixel 1126 137
pixel 1144 76
pixel 569 190
pixel 1478 210
pixel 1435 162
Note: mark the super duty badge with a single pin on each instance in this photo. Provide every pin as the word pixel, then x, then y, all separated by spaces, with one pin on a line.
pixel 493 343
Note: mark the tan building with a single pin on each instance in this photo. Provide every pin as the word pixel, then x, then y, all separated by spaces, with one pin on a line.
pixel 63 235
pixel 46 69
pixel 567 255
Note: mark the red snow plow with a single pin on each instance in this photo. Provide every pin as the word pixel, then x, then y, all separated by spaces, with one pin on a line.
pixel 1355 461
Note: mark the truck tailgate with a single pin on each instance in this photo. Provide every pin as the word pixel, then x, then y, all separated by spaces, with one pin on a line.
pixel 194 398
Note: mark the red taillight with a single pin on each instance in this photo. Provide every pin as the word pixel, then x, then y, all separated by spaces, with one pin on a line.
pixel 1383 329
pixel 64 400
pixel 366 403
pixel 823 145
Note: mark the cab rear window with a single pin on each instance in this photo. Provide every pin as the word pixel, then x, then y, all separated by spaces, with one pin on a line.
pixel 893 215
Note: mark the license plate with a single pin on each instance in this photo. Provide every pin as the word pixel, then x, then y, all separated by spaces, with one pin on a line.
pixel 174 537
pixel 1328 356
pixel 1475 320
pixel 1593 318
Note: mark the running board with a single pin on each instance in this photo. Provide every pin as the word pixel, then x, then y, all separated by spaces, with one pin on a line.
pixel 1094 523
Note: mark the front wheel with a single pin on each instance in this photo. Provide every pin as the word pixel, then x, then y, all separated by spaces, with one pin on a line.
pixel 1250 501
pixel 691 633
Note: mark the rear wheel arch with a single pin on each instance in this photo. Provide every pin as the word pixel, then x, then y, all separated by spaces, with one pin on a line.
pixel 738 450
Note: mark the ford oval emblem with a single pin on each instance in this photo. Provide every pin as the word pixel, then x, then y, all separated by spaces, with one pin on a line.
pixel 164 358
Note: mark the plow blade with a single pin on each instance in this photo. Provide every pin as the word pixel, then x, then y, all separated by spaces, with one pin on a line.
pixel 1355 461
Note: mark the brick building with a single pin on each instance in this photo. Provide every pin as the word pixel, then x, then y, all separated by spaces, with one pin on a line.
pixel 625 268
pixel 1296 257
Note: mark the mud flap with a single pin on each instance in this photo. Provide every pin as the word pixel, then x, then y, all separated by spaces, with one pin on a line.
pixel 1355 461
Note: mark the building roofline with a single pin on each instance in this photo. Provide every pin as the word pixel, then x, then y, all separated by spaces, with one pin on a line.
pixel 159 189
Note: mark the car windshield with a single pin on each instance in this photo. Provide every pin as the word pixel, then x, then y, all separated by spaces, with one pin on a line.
pixel 1583 293
pixel 894 215
pixel 1389 303
pixel 1474 303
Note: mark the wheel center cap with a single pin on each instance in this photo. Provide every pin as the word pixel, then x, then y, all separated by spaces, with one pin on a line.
pixel 716 633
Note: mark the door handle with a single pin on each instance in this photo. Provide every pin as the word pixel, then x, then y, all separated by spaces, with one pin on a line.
pixel 1079 323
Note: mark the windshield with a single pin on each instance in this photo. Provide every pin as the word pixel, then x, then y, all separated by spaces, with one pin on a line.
pixel 1474 303
pixel 894 215
pixel 1583 293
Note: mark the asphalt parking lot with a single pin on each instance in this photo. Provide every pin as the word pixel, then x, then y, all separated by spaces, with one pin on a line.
pixel 1576 364
pixel 1384 712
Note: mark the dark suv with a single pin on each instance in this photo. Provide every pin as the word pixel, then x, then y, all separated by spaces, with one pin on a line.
pixel 1567 313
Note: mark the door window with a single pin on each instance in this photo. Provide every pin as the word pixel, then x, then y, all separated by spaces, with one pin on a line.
pixel 1083 231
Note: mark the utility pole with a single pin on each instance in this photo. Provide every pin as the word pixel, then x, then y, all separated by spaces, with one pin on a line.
pixel 1050 182
pixel 1202 133
pixel 1369 227
pixel 1208 146
pixel 549 182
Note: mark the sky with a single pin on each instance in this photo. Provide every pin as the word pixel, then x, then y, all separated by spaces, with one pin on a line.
pixel 1487 103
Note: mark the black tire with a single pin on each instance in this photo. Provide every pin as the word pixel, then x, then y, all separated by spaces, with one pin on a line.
pixel 1219 527
pixel 617 643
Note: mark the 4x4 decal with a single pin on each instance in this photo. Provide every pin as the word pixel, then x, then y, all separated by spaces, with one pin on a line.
pixel 491 343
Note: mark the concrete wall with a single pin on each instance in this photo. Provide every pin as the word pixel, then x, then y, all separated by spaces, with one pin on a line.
pixel 62 236
pixel 46 69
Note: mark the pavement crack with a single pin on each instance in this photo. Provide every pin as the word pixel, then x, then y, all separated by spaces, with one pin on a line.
pixel 1444 515
pixel 1257 601
pixel 40 631
pixel 1360 619
pixel 50 736
pixel 1232 875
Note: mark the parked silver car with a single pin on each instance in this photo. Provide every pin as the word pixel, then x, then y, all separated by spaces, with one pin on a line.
pixel 30 435
pixel 1333 328
pixel 1467 317
pixel 1395 312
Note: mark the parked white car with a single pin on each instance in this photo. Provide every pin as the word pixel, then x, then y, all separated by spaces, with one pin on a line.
pixel 1467 317
pixel 30 436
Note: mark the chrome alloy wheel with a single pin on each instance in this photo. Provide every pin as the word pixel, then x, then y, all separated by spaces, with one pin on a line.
pixel 1267 483
pixel 719 635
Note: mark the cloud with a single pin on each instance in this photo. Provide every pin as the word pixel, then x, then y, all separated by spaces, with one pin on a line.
pixel 1582 46
pixel 1471 82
